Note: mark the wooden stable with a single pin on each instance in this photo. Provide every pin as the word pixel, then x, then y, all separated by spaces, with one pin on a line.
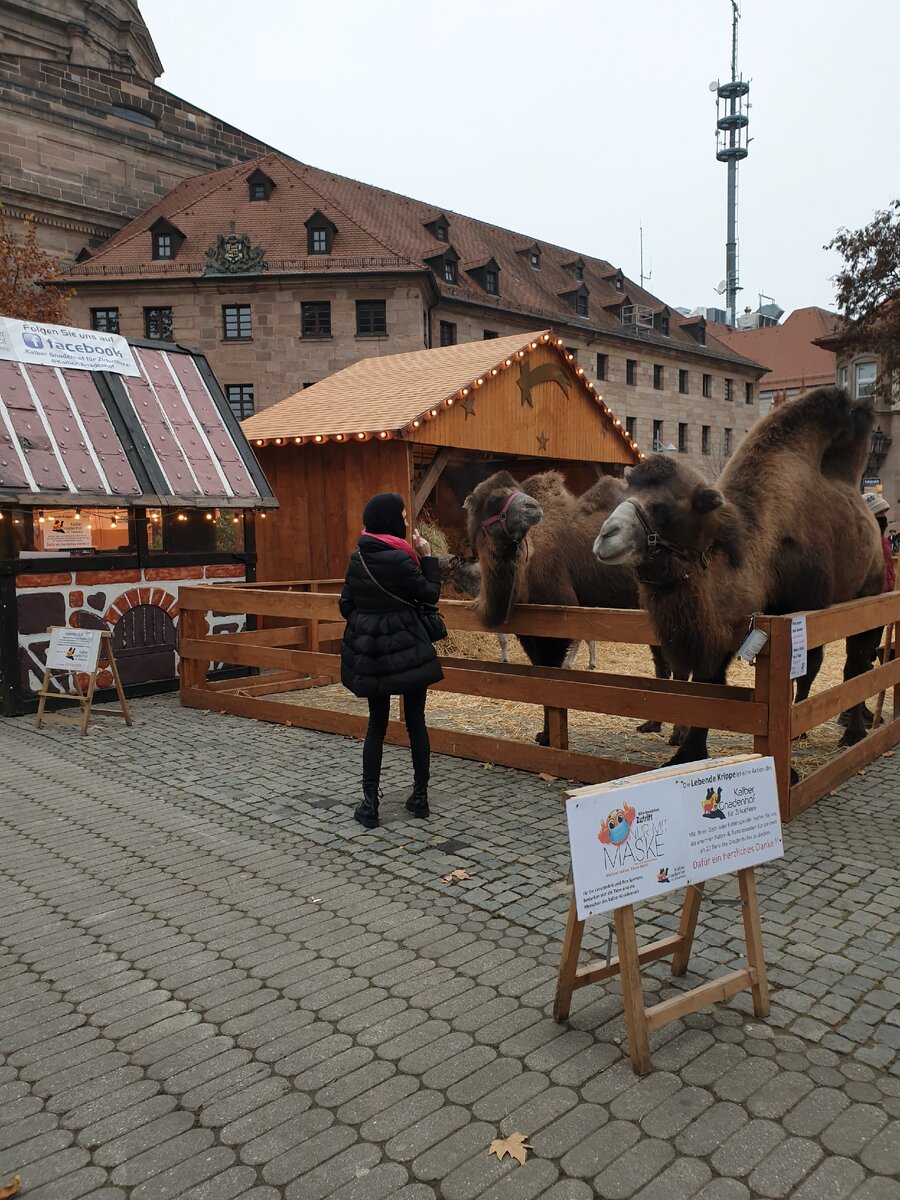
pixel 303 653
pixel 430 425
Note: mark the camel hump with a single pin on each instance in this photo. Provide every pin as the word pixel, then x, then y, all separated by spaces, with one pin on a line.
pixel 603 496
pixel 827 416
pixel 548 488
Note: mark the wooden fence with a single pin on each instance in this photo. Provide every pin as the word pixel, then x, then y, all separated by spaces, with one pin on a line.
pixel 294 636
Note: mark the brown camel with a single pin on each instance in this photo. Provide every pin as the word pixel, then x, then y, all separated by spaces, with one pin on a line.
pixel 533 543
pixel 784 530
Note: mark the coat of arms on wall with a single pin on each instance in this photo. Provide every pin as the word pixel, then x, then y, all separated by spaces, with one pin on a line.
pixel 233 255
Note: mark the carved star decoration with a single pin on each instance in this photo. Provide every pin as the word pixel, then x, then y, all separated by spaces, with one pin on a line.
pixel 542 440
pixel 468 406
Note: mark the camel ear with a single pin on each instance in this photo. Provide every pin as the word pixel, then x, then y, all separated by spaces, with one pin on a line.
pixel 469 502
pixel 706 499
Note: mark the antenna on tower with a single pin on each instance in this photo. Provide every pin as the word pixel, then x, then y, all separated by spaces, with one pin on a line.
pixel 648 276
pixel 731 146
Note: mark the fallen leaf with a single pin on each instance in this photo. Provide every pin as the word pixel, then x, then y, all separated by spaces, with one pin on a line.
pixel 488 766
pixel 11 1188
pixel 547 778
pixel 454 875
pixel 514 1145
pixel 888 754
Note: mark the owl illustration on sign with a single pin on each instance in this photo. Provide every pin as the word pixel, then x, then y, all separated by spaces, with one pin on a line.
pixel 617 826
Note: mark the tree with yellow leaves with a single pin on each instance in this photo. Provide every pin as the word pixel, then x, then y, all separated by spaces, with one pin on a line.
pixel 26 274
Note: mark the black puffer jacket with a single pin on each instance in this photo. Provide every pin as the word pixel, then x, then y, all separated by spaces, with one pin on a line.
pixel 386 650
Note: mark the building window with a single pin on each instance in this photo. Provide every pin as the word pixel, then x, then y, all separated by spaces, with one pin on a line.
pixel 105 320
pixel 579 272
pixel 535 259
pixel 441 231
pixel 664 324
pixel 240 399
pixel 631 370
pixel 707 385
pixel 236 323
pixel 865 380
pixel 448 333
pixel 259 186
pixel 602 365
pixel 315 318
pixel 163 246
pixel 490 334
pixel 844 377
pixel 371 318
pixel 581 304
pixel 682 437
pixel 657 436
pixel 657 376
pixel 318 241
pixel 158 324
pixel 704 439
pixel 748 393
pixel 701 335
pixel 449 270
pixel 491 282
pixel 258 191
pixel 683 382
pixel 631 427
pixel 729 389
pixel 319 234
pixel 726 443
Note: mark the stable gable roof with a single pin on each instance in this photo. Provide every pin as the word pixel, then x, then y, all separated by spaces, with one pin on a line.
pixel 391 395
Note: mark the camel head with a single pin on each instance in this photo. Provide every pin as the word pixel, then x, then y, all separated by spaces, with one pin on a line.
pixel 463 573
pixel 669 518
pixel 500 513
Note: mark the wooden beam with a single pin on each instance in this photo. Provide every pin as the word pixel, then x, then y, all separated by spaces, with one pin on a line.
pixel 595 971
pixel 841 696
pixel 429 479
pixel 700 997
pixel 827 777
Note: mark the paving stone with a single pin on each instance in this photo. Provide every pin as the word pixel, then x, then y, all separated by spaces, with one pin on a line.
pixel 882 1154
pixel 711 1129
pixel 268 1116
pixel 855 1126
pixel 815 1112
pixel 780 1173
pixel 629 1172
pixel 461 1142
pixel 308 1153
pixel 748 1146
pixel 600 1149
pixel 877 1187
pixel 496 1104
pixel 684 1178
pixel 231 1108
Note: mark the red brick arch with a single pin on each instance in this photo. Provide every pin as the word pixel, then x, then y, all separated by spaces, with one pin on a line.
pixel 142 595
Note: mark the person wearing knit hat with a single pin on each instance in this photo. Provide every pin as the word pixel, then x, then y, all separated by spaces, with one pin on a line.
pixel 879 508
pixel 386 649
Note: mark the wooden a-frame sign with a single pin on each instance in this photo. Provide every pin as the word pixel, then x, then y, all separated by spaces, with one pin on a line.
pixel 80 652
pixel 640 1021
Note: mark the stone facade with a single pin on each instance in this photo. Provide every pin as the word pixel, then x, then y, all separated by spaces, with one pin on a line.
pixel 98 600
pixel 885 469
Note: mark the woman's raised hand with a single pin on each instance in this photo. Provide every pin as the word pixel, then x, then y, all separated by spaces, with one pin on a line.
pixel 421 547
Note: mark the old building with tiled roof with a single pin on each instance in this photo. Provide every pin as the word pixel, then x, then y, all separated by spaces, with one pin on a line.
pixel 283 274
pixel 795 362
pixel 87 138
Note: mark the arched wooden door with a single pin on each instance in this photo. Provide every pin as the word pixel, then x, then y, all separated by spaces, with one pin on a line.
pixel 145 642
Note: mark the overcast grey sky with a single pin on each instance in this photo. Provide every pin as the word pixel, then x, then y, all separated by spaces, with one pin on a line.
pixel 574 120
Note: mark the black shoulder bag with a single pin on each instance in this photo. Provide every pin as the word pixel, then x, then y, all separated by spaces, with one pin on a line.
pixel 429 614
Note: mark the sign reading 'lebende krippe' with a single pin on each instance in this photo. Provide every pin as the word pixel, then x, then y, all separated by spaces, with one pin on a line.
pixel 60 346
pixel 639 837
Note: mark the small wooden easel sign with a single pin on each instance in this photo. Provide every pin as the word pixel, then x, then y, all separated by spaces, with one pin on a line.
pixel 80 652
pixel 639 837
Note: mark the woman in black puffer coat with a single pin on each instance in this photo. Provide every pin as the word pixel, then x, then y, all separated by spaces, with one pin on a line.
pixel 386 650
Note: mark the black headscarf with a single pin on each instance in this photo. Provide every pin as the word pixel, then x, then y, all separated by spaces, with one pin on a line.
pixel 384 514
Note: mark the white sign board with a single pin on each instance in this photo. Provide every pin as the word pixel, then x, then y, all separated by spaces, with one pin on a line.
pixel 639 837
pixel 73 649
pixel 61 531
pixel 60 346
pixel 798 647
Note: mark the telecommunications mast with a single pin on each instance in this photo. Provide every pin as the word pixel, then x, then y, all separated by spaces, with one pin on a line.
pixel 731 147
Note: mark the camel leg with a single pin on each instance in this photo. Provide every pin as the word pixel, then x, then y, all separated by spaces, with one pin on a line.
pixel 694 745
pixel 592 656
pixel 545 652
pixel 504 647
pixel 805 682
pixel 571 655
pixel 861 651
pixel 661 670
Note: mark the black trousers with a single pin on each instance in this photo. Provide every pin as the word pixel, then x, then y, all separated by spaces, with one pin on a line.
pixel 414 712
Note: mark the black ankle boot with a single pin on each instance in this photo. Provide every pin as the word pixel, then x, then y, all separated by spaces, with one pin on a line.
pixel 367 812
pixel 417 803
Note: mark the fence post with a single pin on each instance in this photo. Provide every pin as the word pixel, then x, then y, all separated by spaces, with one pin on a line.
pixel 192 671
pixel 558 728
pixel 775 688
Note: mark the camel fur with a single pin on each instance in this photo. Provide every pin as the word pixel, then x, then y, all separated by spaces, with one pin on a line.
pixel 543 556
pixel 784 530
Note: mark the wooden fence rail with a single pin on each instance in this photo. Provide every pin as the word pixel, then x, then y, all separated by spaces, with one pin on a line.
pixel 299 641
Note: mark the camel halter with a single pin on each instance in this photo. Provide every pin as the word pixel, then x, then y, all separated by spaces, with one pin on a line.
pixel 655 542
pixel 501 519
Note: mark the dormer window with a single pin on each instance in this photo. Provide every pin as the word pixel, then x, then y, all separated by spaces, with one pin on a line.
pixel 439 228
pixel 577 269
pixel 534 258
pixel 577 299
pixel 579 272
pixel 696 327
pixel 444 265
pixel 260 186
pixel 165 239
pixel 450 271
pixel 319 234
pixel 661 322
pixel 487 276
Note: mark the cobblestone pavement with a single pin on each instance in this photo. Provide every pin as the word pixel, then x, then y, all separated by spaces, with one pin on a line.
pixel 214 984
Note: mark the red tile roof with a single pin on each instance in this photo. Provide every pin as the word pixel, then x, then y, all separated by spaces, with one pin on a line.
pixel 377 231
pixel 787 350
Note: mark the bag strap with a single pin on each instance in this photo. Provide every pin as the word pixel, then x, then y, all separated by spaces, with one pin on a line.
pixel 399 599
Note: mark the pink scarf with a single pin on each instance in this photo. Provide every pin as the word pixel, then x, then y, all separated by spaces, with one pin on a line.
pixel 397 543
